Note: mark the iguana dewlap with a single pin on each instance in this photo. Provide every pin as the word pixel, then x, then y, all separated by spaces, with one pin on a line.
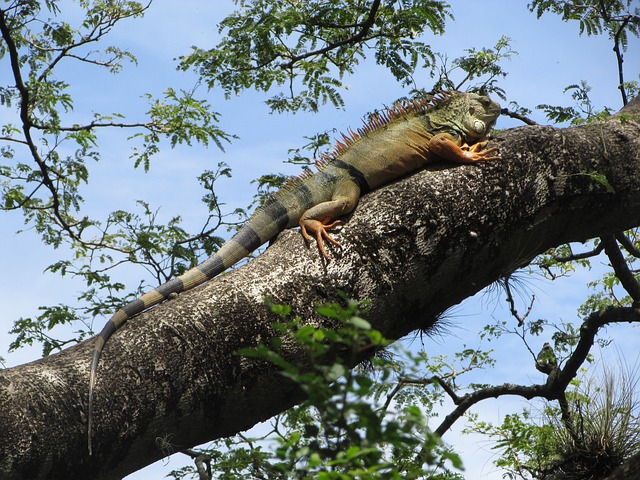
pixel 452 126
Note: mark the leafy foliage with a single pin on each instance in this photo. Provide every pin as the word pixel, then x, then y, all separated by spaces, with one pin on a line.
pixel 618 18
pixel 583 112
pixel 47 154
pixel 595 16
pixel 46 188
pixel 308 47
pixel 482 66
pixel 355 423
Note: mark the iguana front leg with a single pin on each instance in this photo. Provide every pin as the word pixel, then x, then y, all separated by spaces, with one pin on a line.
pixel 447 147
pixel 323 217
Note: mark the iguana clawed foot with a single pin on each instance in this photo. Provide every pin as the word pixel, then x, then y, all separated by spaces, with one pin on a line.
pixel 475 152
pixel 445 146
pixel 320 231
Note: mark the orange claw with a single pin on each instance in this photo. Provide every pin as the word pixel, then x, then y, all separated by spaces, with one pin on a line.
pixel 319 229
pixel 445 147
pixel 475 153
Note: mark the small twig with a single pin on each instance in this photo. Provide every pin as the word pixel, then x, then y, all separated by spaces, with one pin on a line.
pixel 517 116
pixel 15 140
pixel 512 306
pixel 92 125
pixel 580 256
pixel 202 461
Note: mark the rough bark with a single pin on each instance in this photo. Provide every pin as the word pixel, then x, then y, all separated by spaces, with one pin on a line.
pixel 413 248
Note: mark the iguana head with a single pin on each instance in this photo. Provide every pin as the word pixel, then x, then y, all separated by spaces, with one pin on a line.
pixel 480 117
pixel 470 115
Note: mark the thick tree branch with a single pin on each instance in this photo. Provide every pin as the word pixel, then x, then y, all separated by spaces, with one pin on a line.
pixel 413 249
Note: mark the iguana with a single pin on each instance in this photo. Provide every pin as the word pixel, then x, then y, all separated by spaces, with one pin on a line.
pixel 449 126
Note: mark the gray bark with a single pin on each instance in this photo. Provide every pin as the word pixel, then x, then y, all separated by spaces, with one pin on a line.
pixel 413 249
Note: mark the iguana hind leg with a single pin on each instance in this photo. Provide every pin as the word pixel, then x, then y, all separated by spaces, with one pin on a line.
pixel 319 230
pixel 321 218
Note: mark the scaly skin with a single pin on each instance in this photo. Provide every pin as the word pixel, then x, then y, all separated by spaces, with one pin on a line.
pixel 393 144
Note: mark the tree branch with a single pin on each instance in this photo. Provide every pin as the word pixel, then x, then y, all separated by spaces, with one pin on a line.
pixel 623 21
pixel 581 256
pixel 620 267
pixel 628 244
pixel 26 105
pixel 517 116
pixel 365 27
pixel 92 125
pixel 512 304
pixel 557 381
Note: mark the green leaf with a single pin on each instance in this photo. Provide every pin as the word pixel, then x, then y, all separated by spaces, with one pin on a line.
pixel 360 323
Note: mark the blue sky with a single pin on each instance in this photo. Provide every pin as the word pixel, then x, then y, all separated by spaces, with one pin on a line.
pixel 551 56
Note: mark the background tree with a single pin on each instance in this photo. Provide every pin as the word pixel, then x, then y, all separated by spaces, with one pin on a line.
pixel 306 49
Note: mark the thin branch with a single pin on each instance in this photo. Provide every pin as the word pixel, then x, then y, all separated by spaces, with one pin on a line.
pixel 628 244
pixel 15 140
pixel 25 117
pixel 366 26
pixel 205 233
pixel 580 256
pixel 100 30
pixel 621 269
pixel 202 461
pixel 620 59
pixel 616 45
pixel 87 127
pixel 567 417
pixel 517 116
pixel 512 305
pixel 49 177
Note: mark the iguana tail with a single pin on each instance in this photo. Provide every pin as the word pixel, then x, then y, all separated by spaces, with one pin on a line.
pixel 265 224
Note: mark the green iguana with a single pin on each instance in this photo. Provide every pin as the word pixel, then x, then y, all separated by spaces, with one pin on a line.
pixel 449 126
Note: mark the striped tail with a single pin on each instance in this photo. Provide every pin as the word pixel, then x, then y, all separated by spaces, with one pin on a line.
pixel 264 225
